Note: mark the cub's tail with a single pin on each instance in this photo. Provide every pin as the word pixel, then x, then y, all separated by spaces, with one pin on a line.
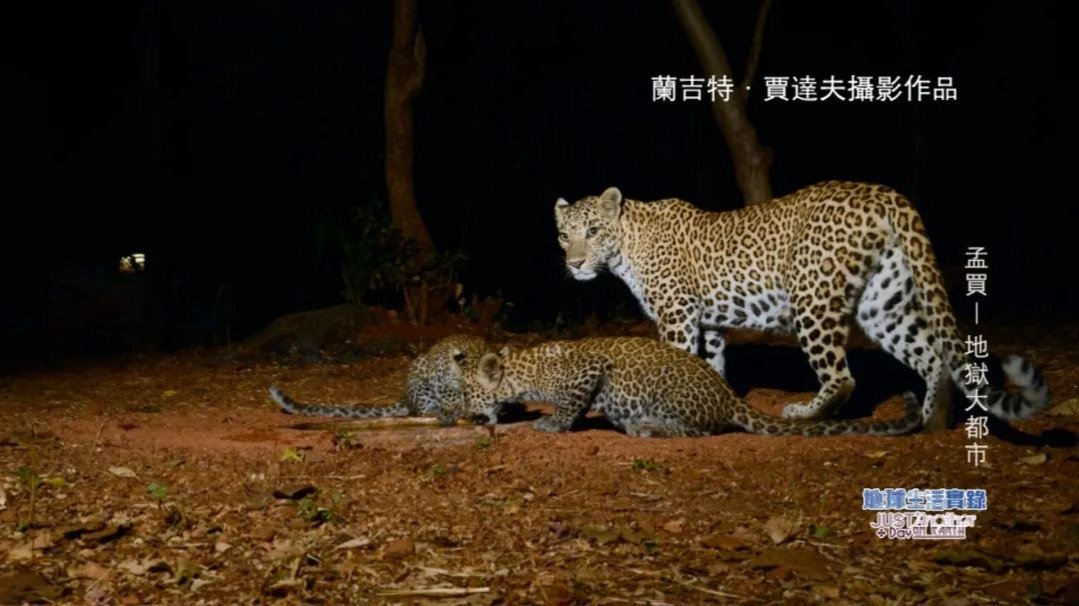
pixel 291 406
pixel 755 421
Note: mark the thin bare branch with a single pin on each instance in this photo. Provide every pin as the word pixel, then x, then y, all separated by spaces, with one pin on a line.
pixel 439 592
pixel 755 47
pixel 752 161
pixel 703 39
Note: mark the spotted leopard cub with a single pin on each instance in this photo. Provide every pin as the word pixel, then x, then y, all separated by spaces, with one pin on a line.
pixel 643 386
pixel 810 263
pixel 433 385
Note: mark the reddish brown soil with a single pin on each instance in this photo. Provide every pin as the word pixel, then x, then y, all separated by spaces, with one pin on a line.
pixel 587 517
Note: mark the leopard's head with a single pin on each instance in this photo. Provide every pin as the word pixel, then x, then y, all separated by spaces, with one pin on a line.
pixel 482 385
pixel 589 232
pixel 437 376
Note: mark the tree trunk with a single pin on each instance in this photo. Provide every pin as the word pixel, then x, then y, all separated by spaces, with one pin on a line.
pixel 752 161
pixel 404 77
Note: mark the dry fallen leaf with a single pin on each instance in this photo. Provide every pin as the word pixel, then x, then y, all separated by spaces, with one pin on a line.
pixel 603 535
pixel 43 540
pixel 199 583
pixel 1006 590
pixel 285 587
pixel 804 562
pixel 780 528
pixel 266 532
pixel 123 472
pixel 20 552
pixel 636 537
pixel 729 555
pixel 291 454
pixel 1037 459
pixel 600 534
pixel 830 592
pixel 725 542
pixel 718 569
pixel 876 454
pixel 399 548
pixel 27 586
pixel 74 531
pixel 133 567
pixel 96 596
pixel 89 570
pixel 1036 559
pixel 1069 594
pixel 1066 408
pixel 110 533
pixel 968 557
pixel 354 543
pixel 674 526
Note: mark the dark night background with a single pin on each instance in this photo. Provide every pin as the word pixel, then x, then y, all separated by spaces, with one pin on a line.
pixel 270 116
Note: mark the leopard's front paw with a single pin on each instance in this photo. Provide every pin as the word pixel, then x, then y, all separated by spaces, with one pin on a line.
pixel 798 411
pixel 548 424
pixel 446 420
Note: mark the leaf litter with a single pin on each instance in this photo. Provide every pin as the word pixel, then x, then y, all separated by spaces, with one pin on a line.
pixel 216 498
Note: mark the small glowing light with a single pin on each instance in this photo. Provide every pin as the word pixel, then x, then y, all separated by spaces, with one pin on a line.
pixel 133 263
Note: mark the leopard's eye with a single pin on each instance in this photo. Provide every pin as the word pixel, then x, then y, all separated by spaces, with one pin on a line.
pixel 563 236
pixel 592 231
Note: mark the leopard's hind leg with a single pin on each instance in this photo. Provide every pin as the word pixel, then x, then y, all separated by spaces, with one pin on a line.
pixel 659 427
pixel 583 377
pixel 892 314
pixel 825 278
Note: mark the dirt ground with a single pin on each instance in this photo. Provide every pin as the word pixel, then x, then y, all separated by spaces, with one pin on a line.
pixel 175 480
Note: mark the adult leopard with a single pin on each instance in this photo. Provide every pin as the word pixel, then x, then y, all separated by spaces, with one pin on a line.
pixel 806 263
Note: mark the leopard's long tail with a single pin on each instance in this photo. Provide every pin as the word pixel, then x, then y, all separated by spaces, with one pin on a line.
pixel 755 421
pixel 1033 394
pixel 291 406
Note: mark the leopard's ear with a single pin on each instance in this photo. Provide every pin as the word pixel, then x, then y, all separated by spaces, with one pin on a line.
pixel 490 370
pixel 457 355
pixel 611 201
pixel 505 351
pixel 560 205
